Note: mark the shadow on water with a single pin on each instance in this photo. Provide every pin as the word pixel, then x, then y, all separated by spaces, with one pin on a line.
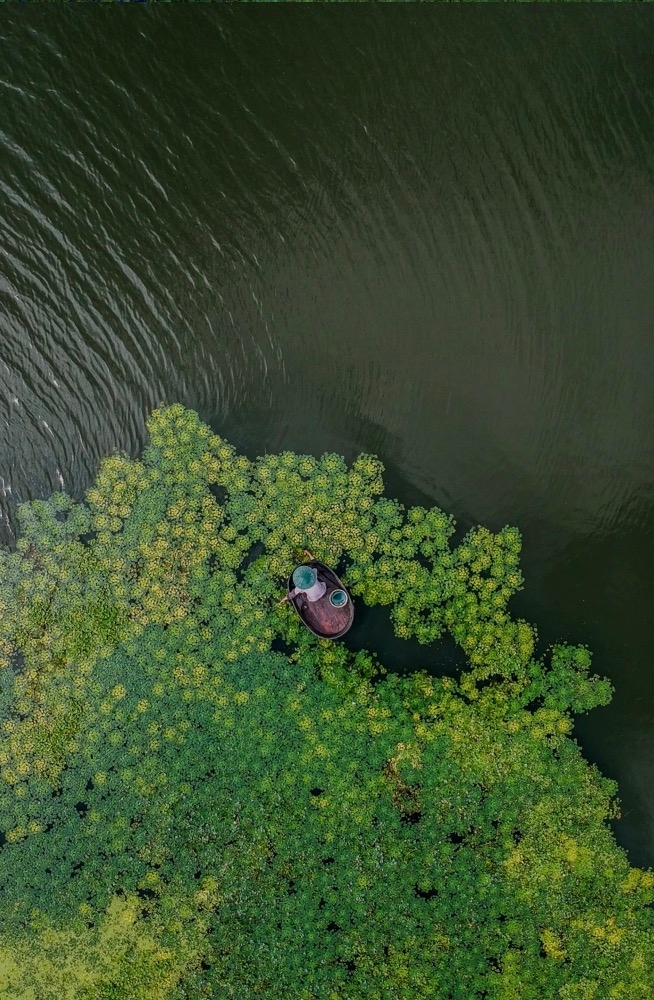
pixel 373 630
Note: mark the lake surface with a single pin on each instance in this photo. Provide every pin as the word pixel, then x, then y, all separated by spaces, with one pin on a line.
pixel 426 232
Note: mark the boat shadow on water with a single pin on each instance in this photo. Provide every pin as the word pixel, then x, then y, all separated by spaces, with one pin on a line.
pixel 373 631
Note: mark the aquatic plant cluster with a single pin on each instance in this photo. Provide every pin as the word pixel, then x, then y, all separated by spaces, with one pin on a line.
pixel 200 799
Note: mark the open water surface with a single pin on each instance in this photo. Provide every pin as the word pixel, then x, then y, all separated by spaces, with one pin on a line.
pixel 426 232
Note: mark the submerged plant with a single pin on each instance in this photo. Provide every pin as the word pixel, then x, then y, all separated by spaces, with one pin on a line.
pixel 189 812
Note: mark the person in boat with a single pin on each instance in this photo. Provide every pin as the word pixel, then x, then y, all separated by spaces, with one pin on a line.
pixel 307 583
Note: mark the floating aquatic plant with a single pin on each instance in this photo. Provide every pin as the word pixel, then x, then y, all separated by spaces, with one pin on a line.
pixel 189 812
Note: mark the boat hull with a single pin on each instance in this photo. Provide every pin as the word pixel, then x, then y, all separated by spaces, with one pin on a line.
pixel 321 617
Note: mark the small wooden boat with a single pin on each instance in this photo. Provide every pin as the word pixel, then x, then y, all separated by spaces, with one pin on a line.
pixel 332 614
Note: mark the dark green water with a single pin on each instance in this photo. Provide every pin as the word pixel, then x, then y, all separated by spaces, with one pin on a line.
pixel 423 232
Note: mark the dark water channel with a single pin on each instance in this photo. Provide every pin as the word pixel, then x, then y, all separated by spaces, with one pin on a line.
pixel 426 232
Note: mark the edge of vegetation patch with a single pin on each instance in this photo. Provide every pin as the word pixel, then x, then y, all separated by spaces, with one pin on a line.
pixel 198 798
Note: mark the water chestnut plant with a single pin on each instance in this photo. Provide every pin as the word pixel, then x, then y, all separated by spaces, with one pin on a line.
pixel 198 798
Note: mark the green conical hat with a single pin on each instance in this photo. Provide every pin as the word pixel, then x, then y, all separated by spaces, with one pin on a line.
pixel 304 577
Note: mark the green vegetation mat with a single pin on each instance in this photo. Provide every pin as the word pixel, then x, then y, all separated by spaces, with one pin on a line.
pixel 200 799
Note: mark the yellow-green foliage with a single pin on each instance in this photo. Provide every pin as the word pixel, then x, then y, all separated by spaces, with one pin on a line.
pixel 65 964
pixel 189 812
